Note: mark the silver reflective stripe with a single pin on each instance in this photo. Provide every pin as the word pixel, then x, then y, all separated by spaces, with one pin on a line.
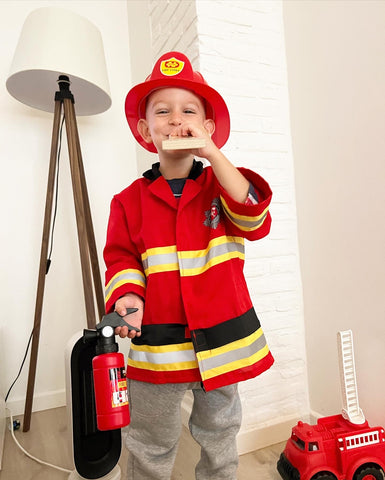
pixel 245 224
pixel 233 355
pixel 163 357
pixel 126 276
pixel 193 262
pixel 157 260
pixel 215 252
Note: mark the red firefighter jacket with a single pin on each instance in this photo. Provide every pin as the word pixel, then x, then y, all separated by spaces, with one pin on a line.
pixel 185 259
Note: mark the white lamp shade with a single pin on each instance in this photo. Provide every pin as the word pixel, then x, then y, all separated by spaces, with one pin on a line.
pixel 55 42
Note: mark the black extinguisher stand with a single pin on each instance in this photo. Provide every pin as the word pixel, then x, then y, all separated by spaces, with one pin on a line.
pixel 95 452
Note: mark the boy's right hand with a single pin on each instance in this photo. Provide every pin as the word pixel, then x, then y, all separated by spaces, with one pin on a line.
pixel 130 300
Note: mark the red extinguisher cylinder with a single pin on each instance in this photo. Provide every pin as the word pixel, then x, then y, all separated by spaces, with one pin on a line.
pixel 111 396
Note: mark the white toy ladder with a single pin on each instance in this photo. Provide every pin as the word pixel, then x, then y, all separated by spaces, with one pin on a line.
pixel 351 410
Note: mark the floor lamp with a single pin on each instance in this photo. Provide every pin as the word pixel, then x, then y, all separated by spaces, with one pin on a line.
pixel 60 58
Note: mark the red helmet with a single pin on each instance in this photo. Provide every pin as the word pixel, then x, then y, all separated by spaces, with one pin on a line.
pixel 173 69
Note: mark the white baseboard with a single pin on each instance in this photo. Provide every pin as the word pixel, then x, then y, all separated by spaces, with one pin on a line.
pixel 44 401
pixel 265 436
pixel 261 437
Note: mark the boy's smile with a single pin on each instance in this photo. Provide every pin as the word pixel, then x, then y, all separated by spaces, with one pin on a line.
pixel 171 112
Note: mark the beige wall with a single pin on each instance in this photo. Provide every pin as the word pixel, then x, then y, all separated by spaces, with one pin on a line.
pixel 336 66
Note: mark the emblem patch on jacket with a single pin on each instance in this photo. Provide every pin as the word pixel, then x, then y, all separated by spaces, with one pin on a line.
pixel 213 215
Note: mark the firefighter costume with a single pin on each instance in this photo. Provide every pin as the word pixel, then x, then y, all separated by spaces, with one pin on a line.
pixel 186 261
pixel 185 257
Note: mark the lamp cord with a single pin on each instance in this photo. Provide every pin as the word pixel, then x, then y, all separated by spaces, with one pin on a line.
pixel 42 462
pixel 21 367
pixel 12 423
pixel 51 236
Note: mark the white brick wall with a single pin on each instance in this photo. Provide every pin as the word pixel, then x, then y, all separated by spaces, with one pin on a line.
pixel 239 48
pixel 174 27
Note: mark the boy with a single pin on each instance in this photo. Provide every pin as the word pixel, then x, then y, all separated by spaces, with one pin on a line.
pixel 175 251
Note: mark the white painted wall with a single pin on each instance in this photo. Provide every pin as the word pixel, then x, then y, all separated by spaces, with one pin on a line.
pixel 109 158
pixel 336 67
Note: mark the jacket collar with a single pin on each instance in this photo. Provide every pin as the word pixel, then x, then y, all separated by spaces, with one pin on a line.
pixel 153 173
pixel 162 190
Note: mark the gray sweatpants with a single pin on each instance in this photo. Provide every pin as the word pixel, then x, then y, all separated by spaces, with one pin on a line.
pixel 155 428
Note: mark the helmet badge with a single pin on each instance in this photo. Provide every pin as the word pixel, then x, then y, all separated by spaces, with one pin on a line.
pixel 171 67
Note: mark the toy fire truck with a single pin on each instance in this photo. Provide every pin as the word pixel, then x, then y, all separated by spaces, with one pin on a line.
pixel 340 447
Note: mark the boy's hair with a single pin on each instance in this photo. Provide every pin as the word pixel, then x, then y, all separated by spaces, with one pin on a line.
pixel 173 69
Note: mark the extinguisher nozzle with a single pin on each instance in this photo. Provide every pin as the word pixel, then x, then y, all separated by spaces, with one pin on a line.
pixel 89 335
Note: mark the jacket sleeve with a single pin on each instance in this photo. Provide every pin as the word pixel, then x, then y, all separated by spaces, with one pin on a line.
pixel 249 221
pixel 124 272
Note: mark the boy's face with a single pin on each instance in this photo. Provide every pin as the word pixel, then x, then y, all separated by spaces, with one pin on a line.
pixel 167 109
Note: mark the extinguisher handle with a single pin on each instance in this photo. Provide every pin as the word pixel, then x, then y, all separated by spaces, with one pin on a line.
pixel 115 320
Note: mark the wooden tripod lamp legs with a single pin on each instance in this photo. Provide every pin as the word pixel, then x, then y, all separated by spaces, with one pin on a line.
pixel 42 268
pixel 86 238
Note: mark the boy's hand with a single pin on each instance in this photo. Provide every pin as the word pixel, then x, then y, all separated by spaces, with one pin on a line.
pixel 130 300
pixel 197 130
pixel 226 173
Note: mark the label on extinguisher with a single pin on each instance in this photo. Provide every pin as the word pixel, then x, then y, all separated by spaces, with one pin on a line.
pixel 118 387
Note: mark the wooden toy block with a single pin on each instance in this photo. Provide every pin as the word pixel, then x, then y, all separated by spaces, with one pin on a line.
pixel 183 143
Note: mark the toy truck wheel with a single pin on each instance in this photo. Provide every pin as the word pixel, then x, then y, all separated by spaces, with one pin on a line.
pixel 370 473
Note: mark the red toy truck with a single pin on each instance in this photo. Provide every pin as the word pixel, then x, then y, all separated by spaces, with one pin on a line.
pixel 334 449
pixel 340 447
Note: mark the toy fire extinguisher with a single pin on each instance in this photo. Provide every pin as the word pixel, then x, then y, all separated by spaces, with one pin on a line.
pixel 109 374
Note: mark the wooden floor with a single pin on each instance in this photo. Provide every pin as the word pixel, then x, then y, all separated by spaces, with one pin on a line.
pixel 48 440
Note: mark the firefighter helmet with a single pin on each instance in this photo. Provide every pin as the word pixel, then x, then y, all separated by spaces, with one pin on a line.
pixel 173 69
